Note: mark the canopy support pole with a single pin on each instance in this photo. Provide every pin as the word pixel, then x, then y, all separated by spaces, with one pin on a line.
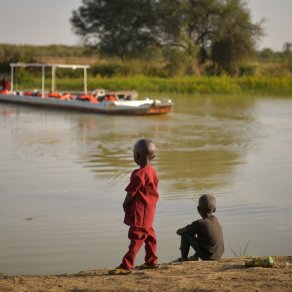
pixel 53 78
pixel 12 78
pixel 43 81
pixel 43 66
pixel 85 81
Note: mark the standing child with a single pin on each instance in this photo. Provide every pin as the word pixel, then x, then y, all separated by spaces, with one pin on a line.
pixel 203 235
pixel 139 206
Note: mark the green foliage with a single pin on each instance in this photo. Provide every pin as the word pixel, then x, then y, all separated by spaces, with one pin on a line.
pixel 201 85
pixel 234 37
pixel 118 28
pixel 241 253
pixel 192 29
pixel 29 53
pixel 187 25
pixel 44 54
pixel 169 62
pixel 115 69
pixel 248 70
pixel 177 62
pixel 266 85
pixel 188 85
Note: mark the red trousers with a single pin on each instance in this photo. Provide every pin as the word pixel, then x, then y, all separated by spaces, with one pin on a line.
pixel 138 236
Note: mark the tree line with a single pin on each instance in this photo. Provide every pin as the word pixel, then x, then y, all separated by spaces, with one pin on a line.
pixel 269 62
pixel 161 38
pixel 187 34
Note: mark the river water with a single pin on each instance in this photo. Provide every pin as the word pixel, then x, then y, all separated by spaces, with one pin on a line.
pixel 63 174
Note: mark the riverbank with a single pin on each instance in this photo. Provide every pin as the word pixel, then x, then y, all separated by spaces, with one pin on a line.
pixel 226 275
pixel 245 85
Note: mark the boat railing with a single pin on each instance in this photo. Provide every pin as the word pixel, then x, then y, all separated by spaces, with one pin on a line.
pixel 53 69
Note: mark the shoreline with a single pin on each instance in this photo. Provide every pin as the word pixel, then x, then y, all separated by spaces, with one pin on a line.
pixel 229 274
pixel 190 85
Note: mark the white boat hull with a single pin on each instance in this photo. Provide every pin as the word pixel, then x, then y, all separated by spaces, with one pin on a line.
pixel 126 107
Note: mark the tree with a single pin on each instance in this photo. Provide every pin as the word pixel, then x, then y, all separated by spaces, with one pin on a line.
pixel 235 36
pixel 118 27
pixel 266 55
pixel 287 51
pixel 202 30
pixel 217 30
pixel 187 24
pixel 287 48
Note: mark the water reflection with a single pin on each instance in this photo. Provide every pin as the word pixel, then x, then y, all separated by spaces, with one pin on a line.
pixel 198 146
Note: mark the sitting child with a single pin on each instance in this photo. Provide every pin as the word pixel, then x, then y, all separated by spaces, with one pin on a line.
pixel 203 235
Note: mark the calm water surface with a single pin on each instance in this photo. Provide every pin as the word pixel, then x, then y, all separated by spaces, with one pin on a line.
pixel 63 174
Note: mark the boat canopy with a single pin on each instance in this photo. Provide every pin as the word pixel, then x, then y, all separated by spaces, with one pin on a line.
pixel 53 68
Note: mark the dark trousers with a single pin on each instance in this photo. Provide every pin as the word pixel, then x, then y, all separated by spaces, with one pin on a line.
pixel 188 241
pixel 138 236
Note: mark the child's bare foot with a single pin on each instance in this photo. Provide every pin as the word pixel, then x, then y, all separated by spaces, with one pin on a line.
pixel 148 267
pixel 119 271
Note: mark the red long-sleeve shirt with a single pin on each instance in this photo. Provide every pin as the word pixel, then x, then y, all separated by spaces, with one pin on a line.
pixel 143 187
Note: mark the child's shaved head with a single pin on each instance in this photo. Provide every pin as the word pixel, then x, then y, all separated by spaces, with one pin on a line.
pixel 207 204
pixel 145 148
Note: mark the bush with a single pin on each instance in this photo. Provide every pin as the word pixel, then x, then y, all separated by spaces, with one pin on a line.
pixel 248 70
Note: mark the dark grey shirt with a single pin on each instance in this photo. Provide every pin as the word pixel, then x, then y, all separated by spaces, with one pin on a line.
pixel 210 235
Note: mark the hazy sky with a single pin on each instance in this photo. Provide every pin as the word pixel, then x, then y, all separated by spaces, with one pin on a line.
pixel 44 22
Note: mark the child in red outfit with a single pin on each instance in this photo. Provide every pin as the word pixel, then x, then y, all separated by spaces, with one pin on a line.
pixel 139 206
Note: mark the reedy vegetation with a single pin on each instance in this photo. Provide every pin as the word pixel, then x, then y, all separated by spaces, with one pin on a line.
pixel 266 85
pixel 267 73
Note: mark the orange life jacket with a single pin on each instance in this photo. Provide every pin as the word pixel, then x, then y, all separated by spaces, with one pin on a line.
pixel 27 93
pixel 54 94
pixel 90 98
pixel 4 91
pixel 110 98
pixel 66 96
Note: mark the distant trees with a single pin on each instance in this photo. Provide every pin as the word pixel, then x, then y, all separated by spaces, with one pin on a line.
pixel 234 37
pixel 29 54
pixel 173 61
pixel 120 28
pixel 287 48
pixel 220 31
pixel 287 51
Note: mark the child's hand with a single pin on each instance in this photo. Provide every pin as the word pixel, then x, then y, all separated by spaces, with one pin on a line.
pixel 181 231
pixel 127 201
pixel 125 207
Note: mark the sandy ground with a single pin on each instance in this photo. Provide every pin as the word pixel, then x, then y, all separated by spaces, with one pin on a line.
pixel 226 275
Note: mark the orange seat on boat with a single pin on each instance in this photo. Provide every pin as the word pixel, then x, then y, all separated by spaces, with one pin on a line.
pixel 32 93
pixel 90 98
pixel 66 96
pixel 110 98
pixel 4 91
pixel 54 94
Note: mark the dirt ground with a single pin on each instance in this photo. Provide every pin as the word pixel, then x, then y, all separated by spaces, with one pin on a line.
pixel 226 275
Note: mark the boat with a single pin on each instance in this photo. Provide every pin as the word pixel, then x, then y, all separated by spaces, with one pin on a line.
pixel 99 101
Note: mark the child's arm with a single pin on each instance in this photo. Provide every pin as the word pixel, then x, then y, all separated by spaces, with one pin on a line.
pixel 128 199
pixel 182 230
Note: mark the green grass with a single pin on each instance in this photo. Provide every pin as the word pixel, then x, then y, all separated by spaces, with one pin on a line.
pixel 188 85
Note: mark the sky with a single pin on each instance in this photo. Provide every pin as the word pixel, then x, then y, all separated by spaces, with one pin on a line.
pixel 45 22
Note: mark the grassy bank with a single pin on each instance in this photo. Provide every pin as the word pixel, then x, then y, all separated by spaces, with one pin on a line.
pixel 187 85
